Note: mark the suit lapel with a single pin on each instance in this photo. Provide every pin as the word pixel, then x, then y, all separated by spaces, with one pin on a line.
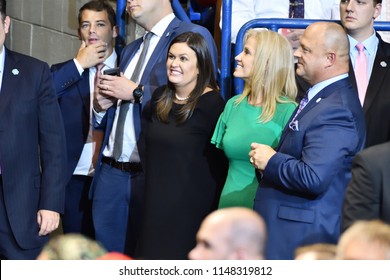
pixel 128 54
pixel 324 93
pixel 84 91
pixel 378 74
pixel 160 50
pixel 11 78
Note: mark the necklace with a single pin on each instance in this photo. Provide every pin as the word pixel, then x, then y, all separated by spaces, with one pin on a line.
pixel 181 98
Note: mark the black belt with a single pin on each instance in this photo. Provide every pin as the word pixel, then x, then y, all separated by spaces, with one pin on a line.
pixel 124 166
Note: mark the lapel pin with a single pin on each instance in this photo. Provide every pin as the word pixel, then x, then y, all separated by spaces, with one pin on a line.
pixel 167 34
pixel 318 100
pixel 383 64
pixel 15 71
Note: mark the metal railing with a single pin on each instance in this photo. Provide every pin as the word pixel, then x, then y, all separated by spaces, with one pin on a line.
pixel 273 24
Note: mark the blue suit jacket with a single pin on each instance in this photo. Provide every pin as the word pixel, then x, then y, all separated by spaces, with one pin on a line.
pixel 73 94
pixel 32 146
pixel 155 74
pixel 301 193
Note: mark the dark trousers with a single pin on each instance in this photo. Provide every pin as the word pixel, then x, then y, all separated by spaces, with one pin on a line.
pixel 77 217
pixel 9 248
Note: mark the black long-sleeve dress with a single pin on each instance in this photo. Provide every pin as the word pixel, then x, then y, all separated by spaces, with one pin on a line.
pixel 184 177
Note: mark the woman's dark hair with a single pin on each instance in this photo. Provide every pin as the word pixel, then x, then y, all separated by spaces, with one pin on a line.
pixel 206 78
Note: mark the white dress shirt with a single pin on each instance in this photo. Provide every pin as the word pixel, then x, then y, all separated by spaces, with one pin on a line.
pixel 130 151
pixel 85 166
pixel 246 10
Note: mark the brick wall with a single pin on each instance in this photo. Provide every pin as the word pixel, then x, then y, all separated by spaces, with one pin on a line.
pixel 45 29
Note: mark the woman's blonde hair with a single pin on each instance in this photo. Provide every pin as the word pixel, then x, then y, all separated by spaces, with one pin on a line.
pixel 272 73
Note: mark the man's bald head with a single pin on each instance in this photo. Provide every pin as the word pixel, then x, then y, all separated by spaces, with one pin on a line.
pixel 231 233
pixel 324 52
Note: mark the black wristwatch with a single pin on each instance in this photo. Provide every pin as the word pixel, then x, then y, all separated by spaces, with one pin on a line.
pixel 138 93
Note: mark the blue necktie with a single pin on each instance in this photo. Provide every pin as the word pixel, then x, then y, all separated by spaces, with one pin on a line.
pixel 297 9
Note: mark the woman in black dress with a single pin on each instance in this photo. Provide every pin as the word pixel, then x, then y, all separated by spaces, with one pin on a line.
pixel 184 172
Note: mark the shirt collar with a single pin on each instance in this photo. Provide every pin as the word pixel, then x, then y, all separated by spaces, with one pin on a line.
pixel 370 44
pixel 110 62
pixel 321 85
pixel 162 25
pixel 2 60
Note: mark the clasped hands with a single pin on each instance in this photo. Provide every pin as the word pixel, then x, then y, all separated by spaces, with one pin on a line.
pixel 260 155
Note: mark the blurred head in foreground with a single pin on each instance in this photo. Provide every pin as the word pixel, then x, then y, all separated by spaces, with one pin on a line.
pixel 71 247
pixel 365 240
pixel 319 251
pixel 230 234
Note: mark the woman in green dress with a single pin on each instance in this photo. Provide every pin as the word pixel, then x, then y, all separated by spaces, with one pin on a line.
pixel 259 114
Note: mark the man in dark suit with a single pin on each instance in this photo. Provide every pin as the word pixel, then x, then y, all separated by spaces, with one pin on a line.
pixel 368 193
pixel 75 84
pixel 301 192
pixel 358 21
pixel 119 173
pixel 32 153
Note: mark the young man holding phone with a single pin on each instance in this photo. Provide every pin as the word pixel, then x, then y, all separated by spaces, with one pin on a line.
pixel 75 81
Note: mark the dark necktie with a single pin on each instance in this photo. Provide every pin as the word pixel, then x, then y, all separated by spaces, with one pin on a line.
pixel 297 9
pixel 124 108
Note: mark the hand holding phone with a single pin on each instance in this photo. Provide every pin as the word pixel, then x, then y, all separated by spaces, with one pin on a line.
pixel 113 72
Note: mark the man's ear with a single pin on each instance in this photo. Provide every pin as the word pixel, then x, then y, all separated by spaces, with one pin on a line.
pixel 115 32
pixel 331 58
pixel 6 24
pixel 378 10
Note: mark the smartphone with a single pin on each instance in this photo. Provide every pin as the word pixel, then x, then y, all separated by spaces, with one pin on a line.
pixel 113 72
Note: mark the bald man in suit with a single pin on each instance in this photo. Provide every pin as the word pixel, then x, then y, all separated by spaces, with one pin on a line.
pixel 303 182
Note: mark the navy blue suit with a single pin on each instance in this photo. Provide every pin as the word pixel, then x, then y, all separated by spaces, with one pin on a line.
pixel 153 76
pixel 73 92
pixel 32 154
pixel 301 193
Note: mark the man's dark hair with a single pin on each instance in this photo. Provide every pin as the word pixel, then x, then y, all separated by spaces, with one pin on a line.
pixel 99 6
pixel 3 6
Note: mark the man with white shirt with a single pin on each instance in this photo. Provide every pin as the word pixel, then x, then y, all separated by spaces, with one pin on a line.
pixel 117 190
pixel 246 10
pixel 358 17
pixel 75 85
